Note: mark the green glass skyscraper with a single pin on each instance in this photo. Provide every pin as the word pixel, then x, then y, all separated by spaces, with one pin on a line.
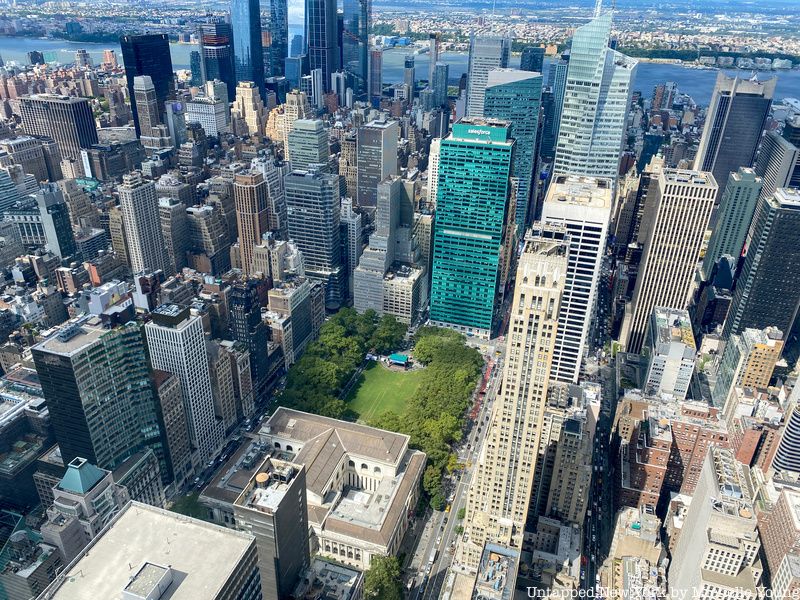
pixel 471 224
pixel 516 96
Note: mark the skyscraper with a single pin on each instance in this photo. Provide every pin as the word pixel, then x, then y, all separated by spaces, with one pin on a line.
pixel 308 145
pixel 552 106
pixel 278 33
pixel 96 382
pixel 312 201
pixel 497 502
pixel 515 96
pixel 296 107
pixel 441 73
pixel 66 119
pixel 147 110
pixel 767 292
pixel 249 106
pixel 676 217
pixel 433 170
pixel 355 43
pixel 55 221
pixel 791 131
pixel 146 248
pixel 375 73
pixel 736 210
pixel 532 59
pixel 777 160
pixel 248 51
pixel 216 50
pixel 252 213
pixel 322 37
pixel 248 328
pixel 471 224
pixel 582 205
pixel 433 53
pixel 409 76
pixel 485 53
pixel 376 156
pixel 734 123
pixel 176 344
pixel 595 107
pixel 148 55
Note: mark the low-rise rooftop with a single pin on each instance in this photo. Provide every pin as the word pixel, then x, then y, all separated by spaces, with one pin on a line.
pixel 142 541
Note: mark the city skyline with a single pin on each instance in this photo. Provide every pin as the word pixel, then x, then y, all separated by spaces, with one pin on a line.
pixel 399 303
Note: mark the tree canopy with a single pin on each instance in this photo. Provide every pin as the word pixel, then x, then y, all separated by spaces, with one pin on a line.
pixel 435 414
pixel 315 381
pixel 382 581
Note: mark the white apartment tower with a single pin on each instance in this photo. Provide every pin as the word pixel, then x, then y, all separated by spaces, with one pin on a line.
pixel 142 224
pixel 433 170
pixel 583 206
pixel 497 503
pixel 674 224
pixel 177 345
pixel 596 100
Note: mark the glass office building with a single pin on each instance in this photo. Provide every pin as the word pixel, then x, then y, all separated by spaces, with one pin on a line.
pixel 515 96
pixel 148 55
pixel 596 99
pixel 355 43
pixel 471 224
pixel 248 50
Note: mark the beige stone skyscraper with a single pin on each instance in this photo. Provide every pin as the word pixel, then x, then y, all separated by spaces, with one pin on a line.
pixel 674 223
pixel 252 213
pixel 296 107
pixel 249 107
pixel 497 504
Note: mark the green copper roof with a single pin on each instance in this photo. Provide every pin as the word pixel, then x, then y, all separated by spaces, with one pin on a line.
pixel 81 476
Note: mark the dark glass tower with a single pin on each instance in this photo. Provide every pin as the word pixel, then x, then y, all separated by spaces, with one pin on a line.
pixel 355 43
pixel 248 51
pixel 277 28
pixel 196 67
pixel 216 39
pixel 248 328
pixel 96 383
pixel 532 59
pixel 322 38
pixel 734 124
pixel 148 55
pixel 767 292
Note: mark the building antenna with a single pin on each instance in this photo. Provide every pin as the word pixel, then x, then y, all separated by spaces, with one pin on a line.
pixel 598 6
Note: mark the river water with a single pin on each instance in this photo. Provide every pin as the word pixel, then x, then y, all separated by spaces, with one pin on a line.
pixel 698 83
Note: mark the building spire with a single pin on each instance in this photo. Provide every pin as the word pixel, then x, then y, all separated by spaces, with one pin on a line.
pixel 598 6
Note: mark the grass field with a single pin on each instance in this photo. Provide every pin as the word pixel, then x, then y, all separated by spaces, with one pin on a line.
pixel 380 390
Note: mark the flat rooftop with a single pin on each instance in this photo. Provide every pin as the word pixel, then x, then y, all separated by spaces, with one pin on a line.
pixel 201 556
pixel 674 326
pixel 72 337
pixel 272 483
pixel 330 581
pixel 788 197
pixel 689 177
pixel 595 192
pixel 497 573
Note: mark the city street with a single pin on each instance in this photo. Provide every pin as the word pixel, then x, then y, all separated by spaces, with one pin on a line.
pixel 599 523
pixel 428 566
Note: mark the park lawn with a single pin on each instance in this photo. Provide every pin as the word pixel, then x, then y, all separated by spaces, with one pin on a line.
pixel 380 390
